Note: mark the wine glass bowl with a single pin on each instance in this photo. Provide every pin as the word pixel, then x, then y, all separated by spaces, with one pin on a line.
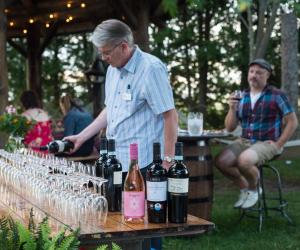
pixel 237 95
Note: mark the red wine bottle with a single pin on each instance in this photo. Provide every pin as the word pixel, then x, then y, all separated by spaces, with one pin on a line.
pixel 58 146
pixel 113 173
pixel 100 163
pixel 156 182
pixel 178 184
pixel 134 190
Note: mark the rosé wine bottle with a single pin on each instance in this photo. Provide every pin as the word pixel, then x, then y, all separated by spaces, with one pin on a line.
pixel 134 190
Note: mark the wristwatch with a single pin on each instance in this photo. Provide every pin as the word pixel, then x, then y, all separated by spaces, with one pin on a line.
pixel 168 159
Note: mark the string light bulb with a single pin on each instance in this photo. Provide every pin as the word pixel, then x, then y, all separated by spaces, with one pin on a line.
pixel 11 23
pixel 51 16
pixel 5 10
pixel 31 20
pixel 69 5
pixel 25 31
pixel 82 5
pixel 47 25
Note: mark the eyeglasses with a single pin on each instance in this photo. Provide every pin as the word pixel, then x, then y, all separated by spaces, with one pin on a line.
pixel 110 51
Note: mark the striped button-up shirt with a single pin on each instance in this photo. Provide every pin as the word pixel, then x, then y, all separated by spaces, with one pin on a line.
pixel 137 95
pixel 264 122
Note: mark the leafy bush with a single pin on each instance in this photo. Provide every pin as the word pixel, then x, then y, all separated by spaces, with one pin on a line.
pixel 15 236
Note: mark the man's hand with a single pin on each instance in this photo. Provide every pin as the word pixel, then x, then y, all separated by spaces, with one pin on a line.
pixel 233 102
pixel 77 140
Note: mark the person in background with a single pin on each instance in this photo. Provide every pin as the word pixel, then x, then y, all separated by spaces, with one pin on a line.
pixel 41 133
pixel 75 120
pixel 267 120
pixel 138 97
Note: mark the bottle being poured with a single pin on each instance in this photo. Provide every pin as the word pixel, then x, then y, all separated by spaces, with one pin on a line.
pixel 58 146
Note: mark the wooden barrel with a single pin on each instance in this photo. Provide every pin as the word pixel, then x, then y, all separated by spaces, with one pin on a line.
pixel 198 159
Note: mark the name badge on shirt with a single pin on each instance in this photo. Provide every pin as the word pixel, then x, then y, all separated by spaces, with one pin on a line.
pixel 126 96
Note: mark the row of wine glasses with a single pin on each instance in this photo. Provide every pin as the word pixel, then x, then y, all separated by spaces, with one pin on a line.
pixel 57 186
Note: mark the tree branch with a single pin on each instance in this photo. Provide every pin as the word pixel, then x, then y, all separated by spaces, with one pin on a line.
pixel 18 47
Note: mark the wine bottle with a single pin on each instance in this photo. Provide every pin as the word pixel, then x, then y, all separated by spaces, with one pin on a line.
pixel 58 146
pixel 100 164
pixel 156 183
pixel 178 184
pixel 102 158
pixel 134 190
pixel 113 173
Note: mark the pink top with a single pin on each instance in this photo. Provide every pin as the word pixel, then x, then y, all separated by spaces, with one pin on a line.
pixel 41 133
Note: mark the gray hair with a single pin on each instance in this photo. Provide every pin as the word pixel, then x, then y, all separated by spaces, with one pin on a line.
pixel 112 31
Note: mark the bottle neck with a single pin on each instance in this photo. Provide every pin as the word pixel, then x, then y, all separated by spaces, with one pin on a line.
pixel 133 165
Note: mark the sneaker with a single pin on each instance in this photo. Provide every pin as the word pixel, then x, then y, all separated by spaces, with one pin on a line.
pixel 251 199
pixel 242 198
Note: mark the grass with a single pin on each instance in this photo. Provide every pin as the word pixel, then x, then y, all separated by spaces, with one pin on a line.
pixel 276 233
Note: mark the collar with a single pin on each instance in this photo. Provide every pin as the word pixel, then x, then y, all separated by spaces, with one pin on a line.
pixel 131 65
pixel 268 87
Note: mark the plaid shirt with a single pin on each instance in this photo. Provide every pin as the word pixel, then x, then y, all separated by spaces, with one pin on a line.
pixel 264 122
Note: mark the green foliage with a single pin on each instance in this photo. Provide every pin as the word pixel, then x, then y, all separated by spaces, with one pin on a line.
pixel 14 124
pixel 14 236
pixel 170 6
pixel 105 247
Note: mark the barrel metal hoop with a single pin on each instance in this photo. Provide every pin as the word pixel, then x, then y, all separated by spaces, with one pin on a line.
pixel 198 158
pixel 200 200
pixel 208 177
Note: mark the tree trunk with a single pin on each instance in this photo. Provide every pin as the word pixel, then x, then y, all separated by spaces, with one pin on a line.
pixel 3 66
pixel 34 59
pixel 289 58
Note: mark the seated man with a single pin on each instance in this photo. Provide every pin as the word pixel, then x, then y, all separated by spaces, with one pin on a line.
pixel 267 122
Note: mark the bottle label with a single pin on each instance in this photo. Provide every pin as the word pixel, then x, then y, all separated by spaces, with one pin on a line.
pixel 117 177
pixel 156 191
pixel 178 157
pixel 178 185
pixel 61 146
pixel 134 204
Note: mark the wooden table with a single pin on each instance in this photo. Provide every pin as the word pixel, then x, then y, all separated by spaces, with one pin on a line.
pixel 128 236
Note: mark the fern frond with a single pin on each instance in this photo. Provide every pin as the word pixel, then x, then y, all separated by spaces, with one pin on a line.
pixel 116 247
pixel 27 239
pixel 31 224
pixel 102 247
pixel 43 235
pixel 4 233
pixel 15 238
pixel 57 239
pixel 69 243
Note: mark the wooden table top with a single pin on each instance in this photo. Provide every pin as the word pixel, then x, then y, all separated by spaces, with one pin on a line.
pixel 114 229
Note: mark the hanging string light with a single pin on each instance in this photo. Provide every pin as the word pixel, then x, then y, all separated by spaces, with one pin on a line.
pixel 46 22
